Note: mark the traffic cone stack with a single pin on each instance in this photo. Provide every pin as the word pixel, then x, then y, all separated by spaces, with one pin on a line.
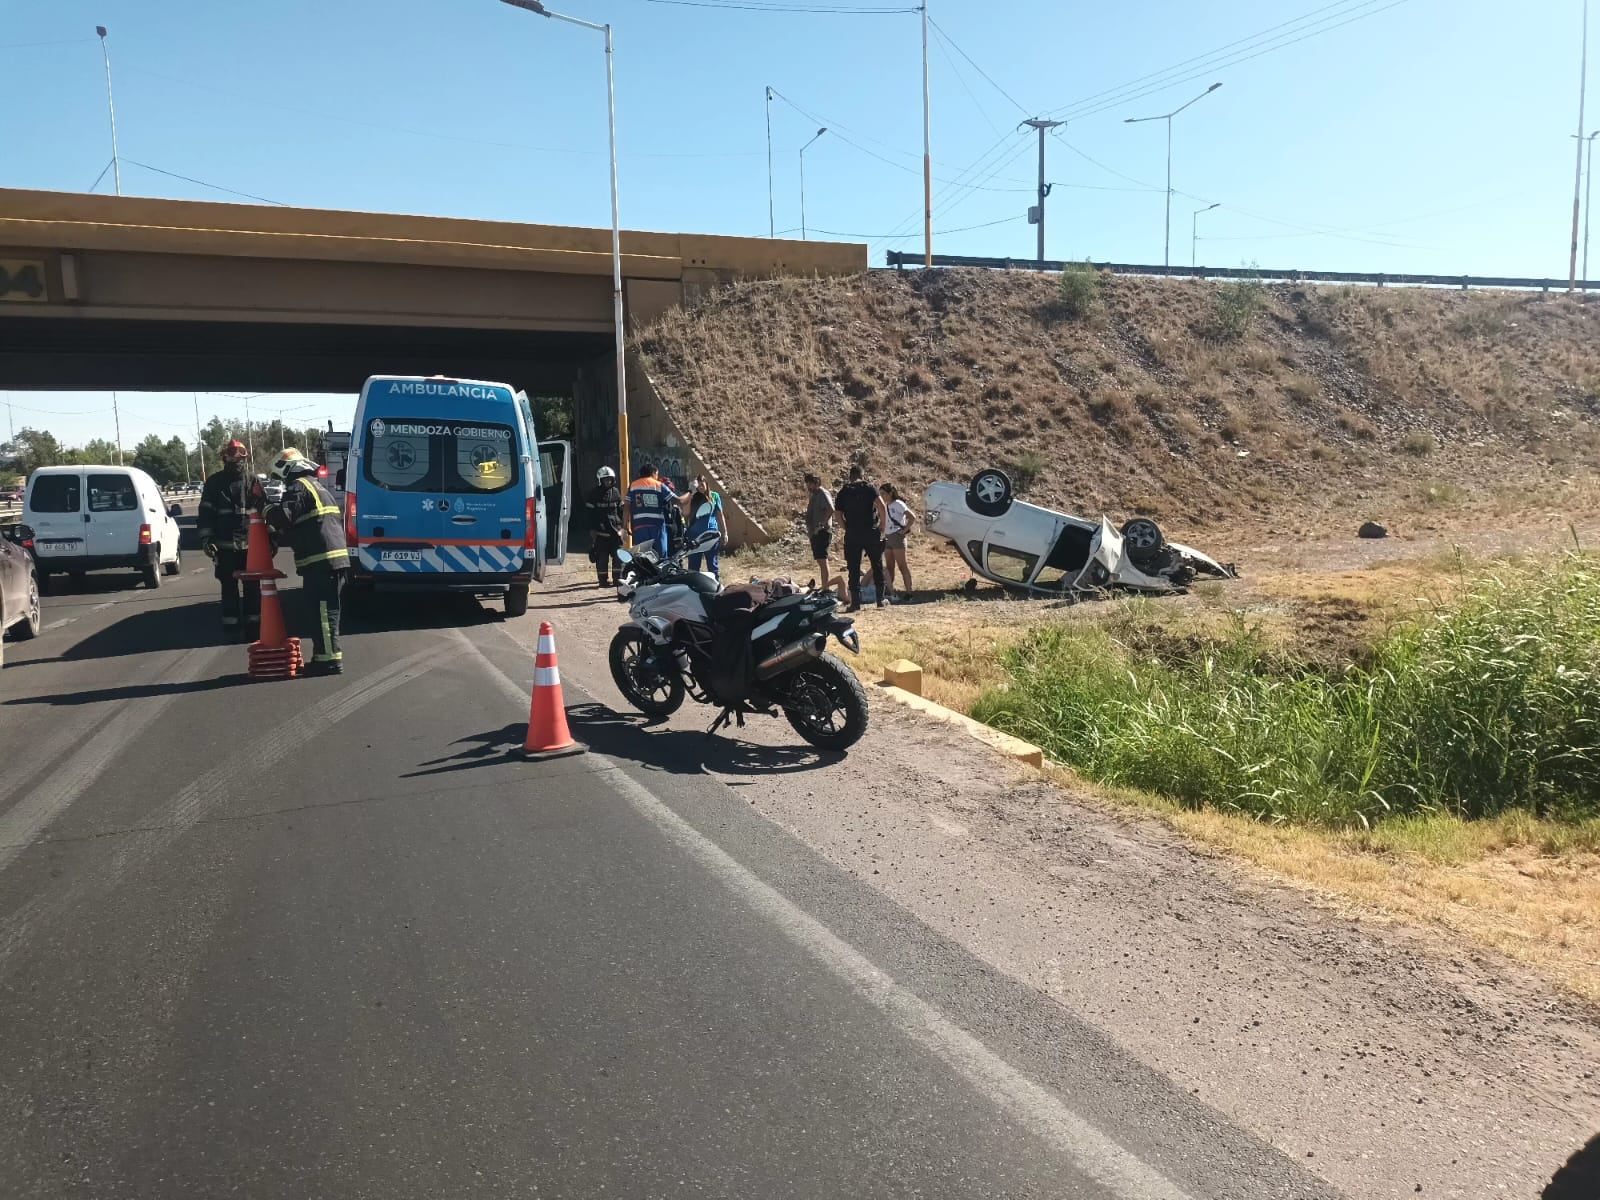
pixel 548 735
pixel 275 655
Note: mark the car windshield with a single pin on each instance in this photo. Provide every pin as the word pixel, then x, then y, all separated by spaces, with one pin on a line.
pixel 425 454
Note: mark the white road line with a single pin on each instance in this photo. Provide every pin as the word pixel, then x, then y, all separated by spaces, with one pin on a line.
pixel 29 817
pixel 57 624
pixel 103 607
pixel 190 803
pixel 1031 1104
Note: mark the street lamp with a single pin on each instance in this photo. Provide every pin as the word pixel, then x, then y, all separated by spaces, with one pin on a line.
pixel 111 108
pixel 534 6
pixel 1167 117
pixel 803 150
pixel 1194 230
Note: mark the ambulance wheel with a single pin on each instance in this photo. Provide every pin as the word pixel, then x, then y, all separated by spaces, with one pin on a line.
pixel 517 600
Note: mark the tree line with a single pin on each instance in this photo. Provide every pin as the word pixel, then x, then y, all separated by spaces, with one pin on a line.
pixel 172 460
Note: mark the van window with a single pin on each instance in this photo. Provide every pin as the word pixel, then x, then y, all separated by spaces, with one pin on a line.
pixel 112 493
pixel 55 494
pixel 420 454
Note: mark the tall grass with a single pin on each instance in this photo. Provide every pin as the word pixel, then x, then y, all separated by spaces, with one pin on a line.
pixel 1487 706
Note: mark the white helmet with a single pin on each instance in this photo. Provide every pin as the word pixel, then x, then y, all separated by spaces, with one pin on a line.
pixel 291 463
pixel 605 473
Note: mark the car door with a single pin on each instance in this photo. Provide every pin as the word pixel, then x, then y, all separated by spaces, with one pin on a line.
pixel 114 513
pixel 13 581
pixel 1017 541
pixel 555 481
pixel 56 514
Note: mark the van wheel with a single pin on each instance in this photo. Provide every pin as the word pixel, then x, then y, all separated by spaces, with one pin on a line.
pixel 152 575
pixel 517 600
pixel 175 566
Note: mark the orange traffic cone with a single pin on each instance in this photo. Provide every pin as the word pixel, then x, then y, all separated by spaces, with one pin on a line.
pixel 548 735
pixel 275 655
pixel 258 553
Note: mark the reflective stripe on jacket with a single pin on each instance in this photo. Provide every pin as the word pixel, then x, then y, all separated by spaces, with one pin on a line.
pixel 311 517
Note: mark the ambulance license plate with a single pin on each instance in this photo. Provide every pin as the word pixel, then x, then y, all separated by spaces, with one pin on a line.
pixel 402 556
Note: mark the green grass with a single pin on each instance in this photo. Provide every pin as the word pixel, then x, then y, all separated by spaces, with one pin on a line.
pixel 1488 706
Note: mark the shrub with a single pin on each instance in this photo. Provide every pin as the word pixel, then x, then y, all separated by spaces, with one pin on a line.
pixel 1489 706
pixel 1080 290
pixel 1418 443
pixel 1025 470
pixel 1238 302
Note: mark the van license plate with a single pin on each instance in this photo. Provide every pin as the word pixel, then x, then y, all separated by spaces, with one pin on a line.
pixel 58 546
pixel 402 556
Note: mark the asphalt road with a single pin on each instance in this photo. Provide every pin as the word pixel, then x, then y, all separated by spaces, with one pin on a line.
pixel 329 938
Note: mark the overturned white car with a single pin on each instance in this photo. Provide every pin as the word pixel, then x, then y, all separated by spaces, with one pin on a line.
pixel 1024 546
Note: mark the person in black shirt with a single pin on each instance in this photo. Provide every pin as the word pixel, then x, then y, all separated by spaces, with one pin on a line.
pixel 223 527
pixel 861 509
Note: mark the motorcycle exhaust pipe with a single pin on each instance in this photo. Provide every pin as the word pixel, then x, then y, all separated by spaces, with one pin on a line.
pixel 792 656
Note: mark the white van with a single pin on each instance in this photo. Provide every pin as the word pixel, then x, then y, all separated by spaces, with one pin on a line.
pixel 100 519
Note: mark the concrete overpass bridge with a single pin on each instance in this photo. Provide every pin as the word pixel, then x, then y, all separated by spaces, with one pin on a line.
pixel 101 292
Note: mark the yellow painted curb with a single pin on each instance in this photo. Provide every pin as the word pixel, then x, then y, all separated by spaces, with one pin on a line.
pixel 1011 747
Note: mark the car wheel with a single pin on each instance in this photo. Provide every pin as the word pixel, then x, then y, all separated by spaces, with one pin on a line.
pixel 175 566
pixel 152 574
pixel 33 619
pixel 1142 539
pixel 989 494
pixel 517 600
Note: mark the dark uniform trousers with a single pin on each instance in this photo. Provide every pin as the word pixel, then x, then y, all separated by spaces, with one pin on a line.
pixel 230 560
pixel 322 588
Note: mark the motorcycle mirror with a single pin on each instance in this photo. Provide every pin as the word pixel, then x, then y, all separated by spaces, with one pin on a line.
pixel 624 557
pixel 705 510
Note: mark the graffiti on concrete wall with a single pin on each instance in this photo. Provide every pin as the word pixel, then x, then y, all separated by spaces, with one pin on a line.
pixel 670 461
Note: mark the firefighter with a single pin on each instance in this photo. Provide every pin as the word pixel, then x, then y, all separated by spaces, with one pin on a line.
pixel 605 503
pixel 309 518
pixel 224 529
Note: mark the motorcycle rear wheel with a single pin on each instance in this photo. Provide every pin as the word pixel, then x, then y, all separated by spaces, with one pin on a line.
pixel 654 692
pixel 827 705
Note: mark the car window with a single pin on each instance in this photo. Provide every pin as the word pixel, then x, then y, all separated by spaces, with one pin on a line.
pixel 56 494
pixel 1013 565
pixel 112 493
pixel 419 454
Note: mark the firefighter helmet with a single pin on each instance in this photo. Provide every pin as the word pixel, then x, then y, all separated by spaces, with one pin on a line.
pixel 291 463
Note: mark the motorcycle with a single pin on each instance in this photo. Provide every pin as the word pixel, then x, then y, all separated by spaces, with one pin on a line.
pixel 744 650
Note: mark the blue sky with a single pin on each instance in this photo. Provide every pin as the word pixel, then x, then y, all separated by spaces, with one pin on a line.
pixel 1403 135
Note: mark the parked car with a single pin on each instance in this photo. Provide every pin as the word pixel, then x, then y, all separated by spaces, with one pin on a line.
pixel 1026 546
pixel 19 589
pixel 11 496
pixel 99 519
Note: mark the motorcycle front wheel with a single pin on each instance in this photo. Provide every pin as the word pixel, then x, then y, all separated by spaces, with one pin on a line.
pixel 826 704
pixel 653 691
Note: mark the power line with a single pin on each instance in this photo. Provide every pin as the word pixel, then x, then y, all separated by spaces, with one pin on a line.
pixel 1020 106
pixel 216 187
pixel 1211 66
pixel 900 237
pixel 746 6
pixel 962 80
pixel 57 42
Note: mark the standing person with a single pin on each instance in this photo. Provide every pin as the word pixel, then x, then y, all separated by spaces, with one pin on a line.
pixel 703 497
pixel 605 505
pixel 819 528
pixel 647 510
pixel 224 529
pixel 310 517
pixel 862 511
pixel 898 522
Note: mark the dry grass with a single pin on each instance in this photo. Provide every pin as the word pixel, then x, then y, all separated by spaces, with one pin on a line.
pixel 933 375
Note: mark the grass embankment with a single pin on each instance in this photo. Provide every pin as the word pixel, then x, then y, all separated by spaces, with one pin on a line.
pixel 1487 706
pixel 1437 761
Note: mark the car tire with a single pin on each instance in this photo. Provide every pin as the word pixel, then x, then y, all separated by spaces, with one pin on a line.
pixel 1142 540
pixel 28 628
pixel 989 494
pixel 175 566
pixel 152 574
pixel 517 600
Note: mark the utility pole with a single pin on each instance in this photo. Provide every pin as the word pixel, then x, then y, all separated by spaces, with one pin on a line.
pixel 111 107
pixel 1037 216
pixel 199 436
pixel 927 148
pixel 116 413
pixel 772 220
pixel 1577 184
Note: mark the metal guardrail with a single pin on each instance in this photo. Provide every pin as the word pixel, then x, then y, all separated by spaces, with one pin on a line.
pixel 900 260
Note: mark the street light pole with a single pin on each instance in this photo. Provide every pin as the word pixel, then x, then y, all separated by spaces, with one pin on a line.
pixel 624 467
pixel 116 415
pixel 927 149
pixel 1167 117
pixel 1194 230
pixel 1577 183
pixel 111 107
pixel 803 150
pixel 772 220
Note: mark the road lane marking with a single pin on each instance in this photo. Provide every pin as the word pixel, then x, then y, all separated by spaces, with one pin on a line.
pixel 21 825
pixel 103 607
pixel 57 624
pixel 1032 1105
pixel 189 804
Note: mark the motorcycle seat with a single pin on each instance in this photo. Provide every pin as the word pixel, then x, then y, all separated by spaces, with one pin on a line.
pixel 728 603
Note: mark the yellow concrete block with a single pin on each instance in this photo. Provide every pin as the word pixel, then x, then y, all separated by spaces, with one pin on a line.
pixel 1011 747
pixel 905 675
